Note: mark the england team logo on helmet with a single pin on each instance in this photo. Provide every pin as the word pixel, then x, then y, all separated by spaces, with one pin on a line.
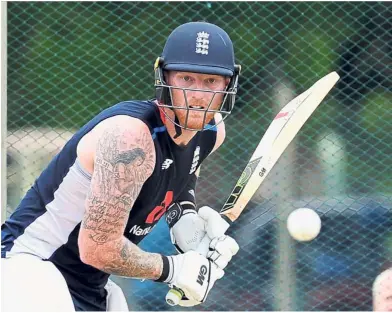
pixel 202 43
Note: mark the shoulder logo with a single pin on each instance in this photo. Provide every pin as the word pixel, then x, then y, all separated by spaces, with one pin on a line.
pixel 166 164
pixel 202 43
pixel 195 161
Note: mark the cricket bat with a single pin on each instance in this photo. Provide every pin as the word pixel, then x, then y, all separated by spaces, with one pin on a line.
pixel 284 127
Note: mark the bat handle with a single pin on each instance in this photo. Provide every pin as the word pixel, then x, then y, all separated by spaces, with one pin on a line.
pixel 174 296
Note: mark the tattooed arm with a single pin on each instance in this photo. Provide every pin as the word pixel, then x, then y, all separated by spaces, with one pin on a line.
pixel 124 158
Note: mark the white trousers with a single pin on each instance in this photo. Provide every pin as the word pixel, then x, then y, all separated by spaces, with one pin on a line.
pixel 32 285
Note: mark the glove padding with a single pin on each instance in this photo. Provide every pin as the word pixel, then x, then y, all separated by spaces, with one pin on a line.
pixel 194 231
pixel 221 250
pixel 194 275
pixel 188 231
pixel 191 227
pixel 215 225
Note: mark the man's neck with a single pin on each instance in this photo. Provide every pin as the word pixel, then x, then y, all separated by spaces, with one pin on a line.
pixel 183 139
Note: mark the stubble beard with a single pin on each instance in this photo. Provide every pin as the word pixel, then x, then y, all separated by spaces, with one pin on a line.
pixel 195 119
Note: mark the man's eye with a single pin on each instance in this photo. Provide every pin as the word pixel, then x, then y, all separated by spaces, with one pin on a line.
pixel 211 80
pixel 187 78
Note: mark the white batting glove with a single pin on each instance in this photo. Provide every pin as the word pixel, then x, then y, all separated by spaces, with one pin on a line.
pixel 221 248
pixel 193 274
pixel 204 232
pixel 215 225
pixel 187 228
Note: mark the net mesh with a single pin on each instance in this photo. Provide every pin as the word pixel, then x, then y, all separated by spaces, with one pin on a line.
pixel 69 60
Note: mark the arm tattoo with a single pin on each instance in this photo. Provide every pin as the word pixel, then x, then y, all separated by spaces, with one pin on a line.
pixel 125 158
pixel 131 261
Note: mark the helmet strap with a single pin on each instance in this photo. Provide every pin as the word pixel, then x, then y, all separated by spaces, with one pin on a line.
pixel 176 127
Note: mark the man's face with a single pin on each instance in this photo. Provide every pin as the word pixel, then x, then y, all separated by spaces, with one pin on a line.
pixel 196 99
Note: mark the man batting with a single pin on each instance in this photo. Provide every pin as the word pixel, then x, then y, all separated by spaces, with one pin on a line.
pixel 116 177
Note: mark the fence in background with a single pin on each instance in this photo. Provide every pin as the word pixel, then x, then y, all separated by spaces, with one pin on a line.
pixel 69 60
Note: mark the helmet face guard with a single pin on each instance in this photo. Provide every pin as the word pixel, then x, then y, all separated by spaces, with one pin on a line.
pixel 164 95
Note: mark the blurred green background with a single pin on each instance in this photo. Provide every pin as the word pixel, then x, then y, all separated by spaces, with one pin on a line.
pixel 69 60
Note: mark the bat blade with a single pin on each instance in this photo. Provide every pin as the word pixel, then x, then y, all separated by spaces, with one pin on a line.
pixel 285 126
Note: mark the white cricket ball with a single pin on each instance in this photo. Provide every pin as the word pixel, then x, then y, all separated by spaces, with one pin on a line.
pixel 304 224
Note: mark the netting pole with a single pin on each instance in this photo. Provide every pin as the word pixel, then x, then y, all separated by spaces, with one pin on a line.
pixel 3 82
pixel 279 188
pixel 283 179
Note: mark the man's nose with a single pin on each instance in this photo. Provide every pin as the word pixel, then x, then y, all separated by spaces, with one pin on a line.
pixel 196 96
pixel 199 95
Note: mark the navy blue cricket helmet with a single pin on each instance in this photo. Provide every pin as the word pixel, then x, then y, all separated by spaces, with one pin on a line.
pixel 198 47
